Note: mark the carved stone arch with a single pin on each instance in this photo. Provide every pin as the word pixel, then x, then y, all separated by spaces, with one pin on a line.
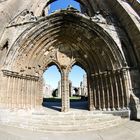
pixel 110 43
pixel 51 63
pixel 92 44
pixel 79 63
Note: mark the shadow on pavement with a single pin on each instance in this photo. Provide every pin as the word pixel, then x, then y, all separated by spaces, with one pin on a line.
pixel 55 104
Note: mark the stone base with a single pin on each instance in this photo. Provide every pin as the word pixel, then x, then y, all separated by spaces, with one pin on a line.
pixel 50 121
pixel 121 113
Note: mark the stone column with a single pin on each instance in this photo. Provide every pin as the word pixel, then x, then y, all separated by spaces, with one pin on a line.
pixel 32 93
pixel 38 96
pixel 90 94
pixel 117 90
pixel 65 91
pixel 14 92
pixel 35 94
pixel 22 93
pixel 98 93
pixel 18 92
pixel 106 91
pixel 102 90
pixel 111 92
pixel 3 92
pixel 26 93
pixel 40 92
pixel 125 86
pixel 94 91
pixel 120 89
pixel 8 91
pixel 11 92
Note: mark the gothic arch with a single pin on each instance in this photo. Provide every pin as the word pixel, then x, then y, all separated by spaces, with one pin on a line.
pixel 35 33
pixel 63 38
pixel 51 63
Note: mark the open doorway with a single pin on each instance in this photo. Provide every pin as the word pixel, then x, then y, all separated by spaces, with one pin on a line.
pixel 51 88
pixel 78 88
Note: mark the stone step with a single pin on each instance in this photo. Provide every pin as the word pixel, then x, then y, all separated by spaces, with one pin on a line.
pixel 70 122
pixel 91 125
pixel 84 127
pixel 60 122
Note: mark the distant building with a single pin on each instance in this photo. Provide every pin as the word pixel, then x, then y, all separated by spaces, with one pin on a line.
pixel 83 90
pixel 47 90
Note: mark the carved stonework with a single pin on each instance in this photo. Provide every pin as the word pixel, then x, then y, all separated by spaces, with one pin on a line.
pixel 24 17
pixel 17 75
pixel 102 38
pixel 64 55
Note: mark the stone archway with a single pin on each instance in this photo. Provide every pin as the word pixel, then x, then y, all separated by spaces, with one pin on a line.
pixel 66 38
pixel 63 59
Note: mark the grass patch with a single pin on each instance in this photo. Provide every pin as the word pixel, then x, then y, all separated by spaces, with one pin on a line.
pixel 57 99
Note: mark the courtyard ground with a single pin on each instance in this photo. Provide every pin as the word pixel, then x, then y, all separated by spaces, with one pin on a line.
pixel 130 130
pixel 127 131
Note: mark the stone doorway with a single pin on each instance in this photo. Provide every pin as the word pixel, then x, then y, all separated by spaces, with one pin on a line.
pixel 64 40
pixel 63 96
pixel 78 93
pixel 51 88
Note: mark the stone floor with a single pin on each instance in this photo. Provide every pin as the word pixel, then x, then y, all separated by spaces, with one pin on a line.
pixel 128 131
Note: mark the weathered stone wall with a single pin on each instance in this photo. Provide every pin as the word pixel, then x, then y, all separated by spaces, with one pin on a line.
pixel 128 19
pixel 135 82
pixel 19 91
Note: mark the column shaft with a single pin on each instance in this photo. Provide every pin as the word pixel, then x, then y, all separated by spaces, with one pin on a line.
pixel 98 91
pixel 102 90
pixel 90 94
pixel 111 91
pixel 65 92
pixel 125 87
pixel 117 90
pixel 107 92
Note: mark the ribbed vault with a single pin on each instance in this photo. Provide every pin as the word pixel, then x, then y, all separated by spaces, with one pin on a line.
pixel 82 39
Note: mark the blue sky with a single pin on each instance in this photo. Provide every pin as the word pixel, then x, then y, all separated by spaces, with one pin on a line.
pixel 52 76
pixel 63 4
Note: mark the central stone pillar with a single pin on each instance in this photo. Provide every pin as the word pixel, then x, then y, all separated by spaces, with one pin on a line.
pixel 91 93
pixel 65 91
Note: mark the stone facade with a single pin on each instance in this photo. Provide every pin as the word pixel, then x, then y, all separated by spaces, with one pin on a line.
pixel 103 39
pixel 83 91
pixel 47 91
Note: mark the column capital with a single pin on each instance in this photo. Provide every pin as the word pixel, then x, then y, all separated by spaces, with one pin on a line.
pixel 63 67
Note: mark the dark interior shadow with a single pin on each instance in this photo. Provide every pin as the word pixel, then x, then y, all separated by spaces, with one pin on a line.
pixel 52 105
pixel 136 120
pixel 81 105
